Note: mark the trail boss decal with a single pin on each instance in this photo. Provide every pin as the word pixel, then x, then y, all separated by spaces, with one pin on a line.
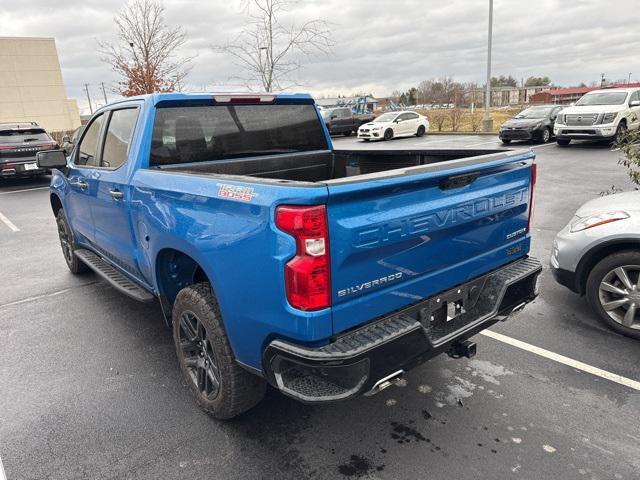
pixel 236 192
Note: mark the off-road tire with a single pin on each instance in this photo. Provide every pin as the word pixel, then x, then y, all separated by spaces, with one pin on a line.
pixel 76 266
pixel 388 134
pixel 593 283
pixel 239 390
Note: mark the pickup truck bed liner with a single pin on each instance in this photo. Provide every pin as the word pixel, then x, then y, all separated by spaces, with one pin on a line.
pixel 320 166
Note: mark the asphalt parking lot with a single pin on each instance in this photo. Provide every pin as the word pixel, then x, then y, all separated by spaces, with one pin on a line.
pixel 90 385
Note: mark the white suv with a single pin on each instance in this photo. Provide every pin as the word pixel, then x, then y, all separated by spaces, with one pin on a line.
pixel 599 115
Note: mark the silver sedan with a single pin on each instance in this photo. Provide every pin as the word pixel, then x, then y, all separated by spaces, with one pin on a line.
pixel 598 255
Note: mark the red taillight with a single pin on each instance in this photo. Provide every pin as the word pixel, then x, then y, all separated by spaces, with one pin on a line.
pixel 7 147
pixel 534 178
pixel 308 274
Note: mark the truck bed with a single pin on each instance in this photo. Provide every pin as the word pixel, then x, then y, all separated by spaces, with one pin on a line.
pixel 323 166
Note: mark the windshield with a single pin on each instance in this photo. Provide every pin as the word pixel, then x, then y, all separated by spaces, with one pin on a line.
pixel 535 112
pixel 386 117
pixel 603 98
pixel 24 136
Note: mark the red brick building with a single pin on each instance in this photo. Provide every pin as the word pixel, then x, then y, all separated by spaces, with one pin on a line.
pixel 565 96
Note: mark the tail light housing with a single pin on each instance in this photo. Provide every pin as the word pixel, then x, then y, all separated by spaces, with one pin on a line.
pixel 534 179
pixel 308 274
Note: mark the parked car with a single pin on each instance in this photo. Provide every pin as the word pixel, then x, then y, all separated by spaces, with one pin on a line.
pixel 534 123
pixel 19 144
pixel 603 115
pixel 68 141
pixel 277 259
pixel 598 255
pixel 342 120
pixel 394 124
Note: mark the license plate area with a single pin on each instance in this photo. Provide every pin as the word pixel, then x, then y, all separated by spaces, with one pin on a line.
pixel 30 166
pixel 452 305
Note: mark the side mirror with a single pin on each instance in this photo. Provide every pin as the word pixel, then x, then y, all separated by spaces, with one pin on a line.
pixel 66 139
pixel 634 103
pixel 51 159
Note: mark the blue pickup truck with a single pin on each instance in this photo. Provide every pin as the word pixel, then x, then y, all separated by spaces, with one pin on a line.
pixel 279 260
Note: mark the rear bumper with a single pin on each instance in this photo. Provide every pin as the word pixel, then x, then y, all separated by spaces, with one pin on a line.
pixel 20 168
pixel 356 362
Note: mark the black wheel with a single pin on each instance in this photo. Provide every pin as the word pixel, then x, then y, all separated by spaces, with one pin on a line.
pixel 68 244
pixel 221 387
pixel 388 134
pixel 613 291
pixel 506 141
pixel 563 142
pixel 347 134
pixel 545 135
pixel 421 131
pixel 621 132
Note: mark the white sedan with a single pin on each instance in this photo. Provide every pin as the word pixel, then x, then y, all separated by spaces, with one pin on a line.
pixel 394 124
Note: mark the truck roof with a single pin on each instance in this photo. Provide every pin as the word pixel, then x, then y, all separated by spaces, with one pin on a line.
pixel 155 98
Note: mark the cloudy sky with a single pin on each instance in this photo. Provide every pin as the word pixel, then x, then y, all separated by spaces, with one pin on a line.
pixel 380 45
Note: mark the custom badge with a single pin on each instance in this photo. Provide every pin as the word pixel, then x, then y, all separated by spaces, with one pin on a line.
pixel 236 192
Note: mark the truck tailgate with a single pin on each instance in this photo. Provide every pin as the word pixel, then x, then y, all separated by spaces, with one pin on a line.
pixel 396 239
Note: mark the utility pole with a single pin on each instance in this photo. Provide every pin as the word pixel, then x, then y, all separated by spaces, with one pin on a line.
pixel 104 93
pixel 602 80
pixel 629 80
pixel 86 89
pixel 487 122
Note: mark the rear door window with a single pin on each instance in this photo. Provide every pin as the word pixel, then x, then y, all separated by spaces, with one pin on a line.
pixel 200 133
pixel 118 137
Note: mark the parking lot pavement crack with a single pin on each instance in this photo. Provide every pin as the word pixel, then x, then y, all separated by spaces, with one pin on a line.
pixel 46 295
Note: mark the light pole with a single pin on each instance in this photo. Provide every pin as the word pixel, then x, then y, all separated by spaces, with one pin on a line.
pixel 629 80
pixel 487 122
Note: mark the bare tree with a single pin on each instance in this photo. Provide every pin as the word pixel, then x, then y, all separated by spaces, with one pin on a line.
pixel 269 52
pixel 438 117
pixel 455 118
pixel 144 55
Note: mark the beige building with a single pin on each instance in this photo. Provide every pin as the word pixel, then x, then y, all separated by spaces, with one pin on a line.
pixel 31 85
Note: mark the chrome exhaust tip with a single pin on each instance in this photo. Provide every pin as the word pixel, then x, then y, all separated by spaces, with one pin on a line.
pixel 385 382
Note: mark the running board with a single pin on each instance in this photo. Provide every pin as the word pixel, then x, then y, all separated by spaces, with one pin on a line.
pixel 118 280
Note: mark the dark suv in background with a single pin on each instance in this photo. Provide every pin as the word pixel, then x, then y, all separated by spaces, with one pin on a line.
pixel 534 123
pixel 19 144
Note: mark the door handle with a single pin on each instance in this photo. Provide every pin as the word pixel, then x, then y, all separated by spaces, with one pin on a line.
pixel 116 194
pixel 82 185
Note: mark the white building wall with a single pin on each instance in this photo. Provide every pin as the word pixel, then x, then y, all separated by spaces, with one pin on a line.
pixel 31 85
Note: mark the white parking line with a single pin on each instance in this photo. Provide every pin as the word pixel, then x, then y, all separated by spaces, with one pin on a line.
pixel 613 377
pixel 23 190
pixel 3 476
pixel 8 223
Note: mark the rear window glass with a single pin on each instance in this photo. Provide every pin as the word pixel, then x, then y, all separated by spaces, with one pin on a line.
pixel 24 136
pixel 202 133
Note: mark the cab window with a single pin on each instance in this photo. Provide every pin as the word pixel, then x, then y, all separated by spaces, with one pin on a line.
pixel 118 137
pixel 88 148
